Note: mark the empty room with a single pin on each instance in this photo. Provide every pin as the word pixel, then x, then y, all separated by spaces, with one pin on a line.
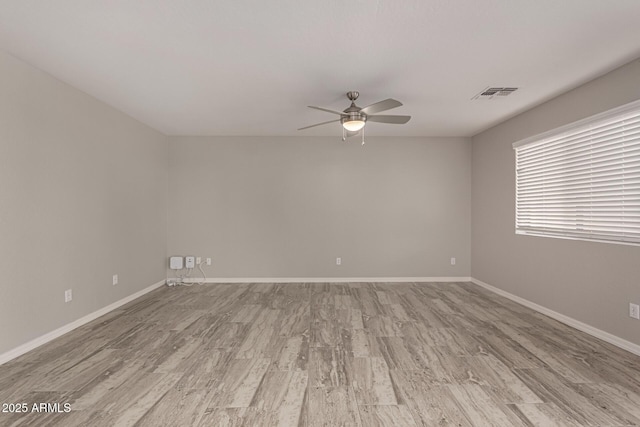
pixel 298 213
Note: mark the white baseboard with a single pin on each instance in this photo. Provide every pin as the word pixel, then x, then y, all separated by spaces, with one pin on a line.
pixel 598 333
pixel 37 342
pixel 326 279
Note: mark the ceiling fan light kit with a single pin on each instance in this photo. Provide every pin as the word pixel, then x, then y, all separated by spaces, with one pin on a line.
pixel 354 118
pixel 352 125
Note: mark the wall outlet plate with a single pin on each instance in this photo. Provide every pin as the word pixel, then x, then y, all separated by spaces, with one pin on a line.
pixel 115 280
pixel 198 260
pixel 208 261
pixel 68 295
pixel 338 261
pixel 634 311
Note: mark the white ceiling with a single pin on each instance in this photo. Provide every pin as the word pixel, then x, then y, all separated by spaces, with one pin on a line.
pixel 243 67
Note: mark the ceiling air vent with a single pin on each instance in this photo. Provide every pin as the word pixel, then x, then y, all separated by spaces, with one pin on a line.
pixel 492 92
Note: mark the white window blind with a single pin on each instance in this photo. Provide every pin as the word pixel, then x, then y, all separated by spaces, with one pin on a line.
pixel 582 181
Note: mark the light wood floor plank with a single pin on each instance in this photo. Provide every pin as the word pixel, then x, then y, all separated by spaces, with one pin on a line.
pixel 333 406
pixel 329 367
pixel 478 406
pixel 240 383
pixel 372 383
pixel 386 416
pixel 543 415
pixel 430 405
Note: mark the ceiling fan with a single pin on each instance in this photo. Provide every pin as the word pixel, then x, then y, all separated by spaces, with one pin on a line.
pixel 354 118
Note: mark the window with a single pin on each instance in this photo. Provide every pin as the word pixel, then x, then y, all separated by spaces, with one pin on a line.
pixel 582 181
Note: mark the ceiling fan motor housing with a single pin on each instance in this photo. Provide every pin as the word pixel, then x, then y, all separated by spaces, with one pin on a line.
pixel 350 117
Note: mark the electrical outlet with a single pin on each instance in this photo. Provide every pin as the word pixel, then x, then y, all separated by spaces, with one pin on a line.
pixel 68 295
pixel 453 261
pixel 208 261
pixel 115 279
pixel 338 261
pixel 198 260
pixel 634 311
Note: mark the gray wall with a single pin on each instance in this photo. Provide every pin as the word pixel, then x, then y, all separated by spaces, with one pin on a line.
pixel 287 207
pixel 82 197
pixel 590 282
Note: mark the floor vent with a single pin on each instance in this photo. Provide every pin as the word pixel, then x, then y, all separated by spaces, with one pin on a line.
pixel 493 92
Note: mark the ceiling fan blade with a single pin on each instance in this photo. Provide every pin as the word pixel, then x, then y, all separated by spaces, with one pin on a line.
pixel 387 104
pixel 327 110
pixel 318 124
pixel 395 120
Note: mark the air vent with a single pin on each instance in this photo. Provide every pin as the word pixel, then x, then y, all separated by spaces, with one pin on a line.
pixel 492 92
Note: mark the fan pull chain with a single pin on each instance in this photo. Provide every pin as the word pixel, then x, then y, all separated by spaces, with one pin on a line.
pixel 363 135
pixel 344 134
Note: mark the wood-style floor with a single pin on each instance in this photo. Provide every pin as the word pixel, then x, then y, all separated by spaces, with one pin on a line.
pixel 403 354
